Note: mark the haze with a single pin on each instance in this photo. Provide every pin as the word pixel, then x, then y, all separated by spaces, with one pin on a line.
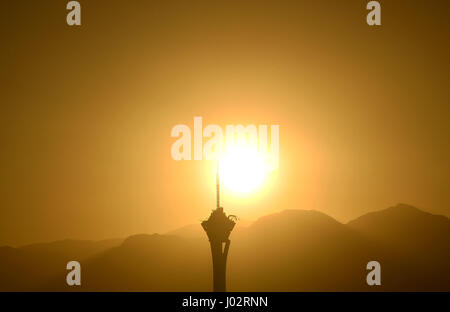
pixel 86 112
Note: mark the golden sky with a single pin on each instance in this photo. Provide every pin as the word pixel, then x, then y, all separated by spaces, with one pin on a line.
pixel 86 112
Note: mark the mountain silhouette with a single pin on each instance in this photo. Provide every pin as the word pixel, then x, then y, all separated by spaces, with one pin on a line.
pixel 400 226
pixel 293 250
pixel 298 250
pixel 151 263
pixel 416 245
pixel 30 267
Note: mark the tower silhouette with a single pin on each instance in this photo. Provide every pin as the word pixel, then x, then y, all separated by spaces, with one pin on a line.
pixel 218 228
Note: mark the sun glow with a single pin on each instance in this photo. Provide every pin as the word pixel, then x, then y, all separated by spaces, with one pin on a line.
pixel 242 169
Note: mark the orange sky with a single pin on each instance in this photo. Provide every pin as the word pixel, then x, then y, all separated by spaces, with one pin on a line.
pixel 86 112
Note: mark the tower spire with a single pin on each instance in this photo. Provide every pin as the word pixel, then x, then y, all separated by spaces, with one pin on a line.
pixel 218 186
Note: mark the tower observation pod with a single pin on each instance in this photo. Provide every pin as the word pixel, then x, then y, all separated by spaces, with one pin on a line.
pixel 218 228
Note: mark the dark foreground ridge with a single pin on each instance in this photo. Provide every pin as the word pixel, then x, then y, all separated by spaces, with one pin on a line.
pixel 294 250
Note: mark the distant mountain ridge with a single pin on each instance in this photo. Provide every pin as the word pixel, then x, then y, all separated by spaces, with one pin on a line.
pixel 293 250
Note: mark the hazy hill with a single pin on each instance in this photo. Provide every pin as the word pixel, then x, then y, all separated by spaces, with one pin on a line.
pixel 418 243
pixel 294 250
pixel 406 227
pixel 298 250
pixel 189 231
pixel 32 266
pixel 151 263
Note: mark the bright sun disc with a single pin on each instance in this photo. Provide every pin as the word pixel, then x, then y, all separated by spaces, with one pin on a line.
pixel 242 169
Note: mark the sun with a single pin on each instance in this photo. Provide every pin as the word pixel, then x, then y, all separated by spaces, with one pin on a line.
pixel 242 169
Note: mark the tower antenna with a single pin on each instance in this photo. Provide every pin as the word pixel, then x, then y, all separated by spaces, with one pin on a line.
pixel 218 186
